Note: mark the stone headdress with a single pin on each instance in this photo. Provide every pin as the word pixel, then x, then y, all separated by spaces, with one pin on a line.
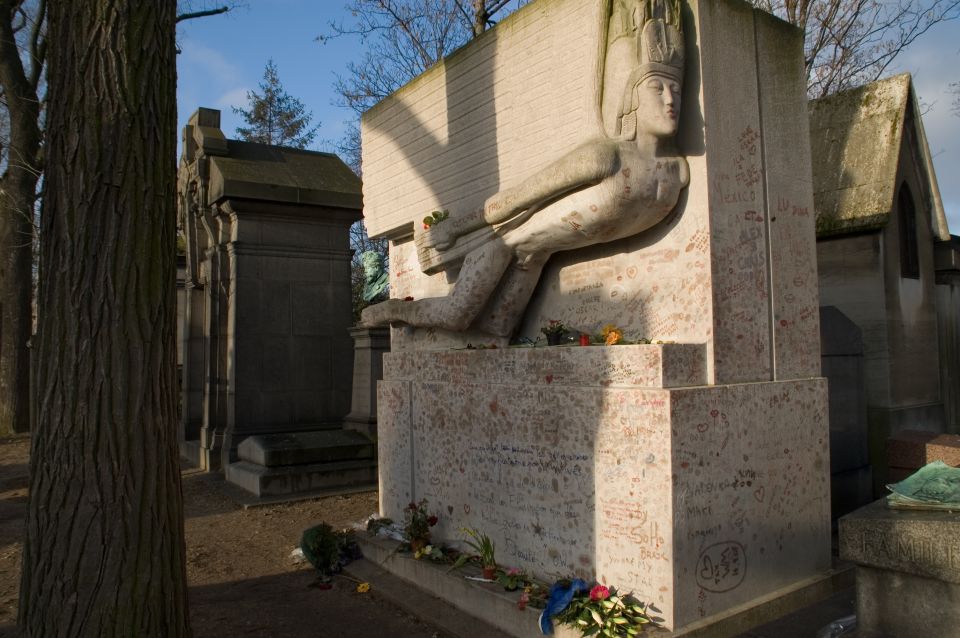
pixel 659 51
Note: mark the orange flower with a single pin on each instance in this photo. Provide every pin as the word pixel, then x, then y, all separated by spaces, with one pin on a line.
pixel 613 336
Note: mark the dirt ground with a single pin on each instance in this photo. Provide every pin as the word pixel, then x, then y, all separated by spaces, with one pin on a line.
pixel 242 581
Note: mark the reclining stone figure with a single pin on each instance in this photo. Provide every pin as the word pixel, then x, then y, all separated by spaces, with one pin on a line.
pixel 603 190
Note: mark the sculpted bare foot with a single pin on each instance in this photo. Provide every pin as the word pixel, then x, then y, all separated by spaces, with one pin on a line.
pixel 438 237
pixel 383 313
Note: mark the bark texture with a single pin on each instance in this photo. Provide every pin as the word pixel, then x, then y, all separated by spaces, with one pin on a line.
pixel 18 187
pixel 104 554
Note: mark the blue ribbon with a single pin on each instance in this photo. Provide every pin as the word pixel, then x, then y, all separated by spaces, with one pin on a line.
pixel 559 599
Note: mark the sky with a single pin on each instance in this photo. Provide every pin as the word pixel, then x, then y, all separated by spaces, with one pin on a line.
pixel 223 57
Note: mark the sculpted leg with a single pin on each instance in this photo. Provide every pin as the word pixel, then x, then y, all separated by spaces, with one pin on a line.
pixel 479 276
pixel 510 300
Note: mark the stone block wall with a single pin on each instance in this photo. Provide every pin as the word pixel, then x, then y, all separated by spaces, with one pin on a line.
pixel 493 112
pixel 614 464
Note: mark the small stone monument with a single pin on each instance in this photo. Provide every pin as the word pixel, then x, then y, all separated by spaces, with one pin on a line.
pixel 908 570
pixel 629 162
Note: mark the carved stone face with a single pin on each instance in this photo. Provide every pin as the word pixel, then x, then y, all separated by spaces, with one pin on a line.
pixel 658 105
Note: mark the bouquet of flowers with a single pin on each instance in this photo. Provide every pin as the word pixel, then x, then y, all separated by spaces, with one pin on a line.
pixel 418 522
pixel 597 610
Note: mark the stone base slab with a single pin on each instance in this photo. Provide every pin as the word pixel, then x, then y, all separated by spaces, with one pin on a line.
pixel 299 448
pixel 492 605
pixel 904 605
pixel 579 461
pixel 303 480
pixel 922 543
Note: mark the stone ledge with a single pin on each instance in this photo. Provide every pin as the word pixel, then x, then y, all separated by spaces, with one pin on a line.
pixel 922 543
pixel 303 480
pixel 912 449
pixel 299 448
pixel 669 365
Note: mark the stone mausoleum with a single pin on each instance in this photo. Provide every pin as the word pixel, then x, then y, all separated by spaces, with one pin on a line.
pixel 632 163
pixel 267 370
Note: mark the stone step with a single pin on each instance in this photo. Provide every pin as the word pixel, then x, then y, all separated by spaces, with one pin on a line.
pixel 299 448
pixel 493 606
pixel 303 480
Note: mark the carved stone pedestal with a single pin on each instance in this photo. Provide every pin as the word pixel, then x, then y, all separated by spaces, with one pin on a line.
pixel 908 570
pixel 616 464
pixel 369 345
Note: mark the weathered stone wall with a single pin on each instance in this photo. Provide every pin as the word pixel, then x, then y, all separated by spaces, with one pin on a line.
pixel 291 285
pixel 851 278
pixel 911 303
pixel 948 329
pixel 599 462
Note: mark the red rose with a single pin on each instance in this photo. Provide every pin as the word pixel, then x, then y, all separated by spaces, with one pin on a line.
pixel 599 593
pixel 412 507
pixel 432 521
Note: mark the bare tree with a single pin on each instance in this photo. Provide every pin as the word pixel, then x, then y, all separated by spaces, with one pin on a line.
pixel 955 106
pixel 23 47
pixel 404 38
pixel 852 42
pixel 22 58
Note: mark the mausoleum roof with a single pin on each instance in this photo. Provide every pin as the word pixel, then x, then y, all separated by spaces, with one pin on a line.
pixel 856 138
pixel 250 170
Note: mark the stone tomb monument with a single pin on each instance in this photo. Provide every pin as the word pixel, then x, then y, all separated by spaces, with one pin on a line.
pixel 641 163
pixel 267 369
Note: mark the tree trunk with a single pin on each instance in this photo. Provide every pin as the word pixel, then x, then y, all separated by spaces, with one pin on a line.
pixel 16 259
pixel 18 188
pixel 104 553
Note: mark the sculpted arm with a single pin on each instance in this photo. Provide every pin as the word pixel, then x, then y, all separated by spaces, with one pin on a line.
pixel 586 165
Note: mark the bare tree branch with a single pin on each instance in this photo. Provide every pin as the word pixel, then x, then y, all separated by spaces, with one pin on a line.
pixel 201 14
pixel 404 38
pixel 852 42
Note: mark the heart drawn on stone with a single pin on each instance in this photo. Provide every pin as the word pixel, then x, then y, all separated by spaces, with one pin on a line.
pixel 759 494
pixel 549 378
pixel 450 510
pixel 702 427
pixel 466 508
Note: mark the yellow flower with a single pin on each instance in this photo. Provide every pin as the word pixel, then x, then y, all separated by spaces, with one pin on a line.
pixel 363 588
pixel 613 336
pixel 607 329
